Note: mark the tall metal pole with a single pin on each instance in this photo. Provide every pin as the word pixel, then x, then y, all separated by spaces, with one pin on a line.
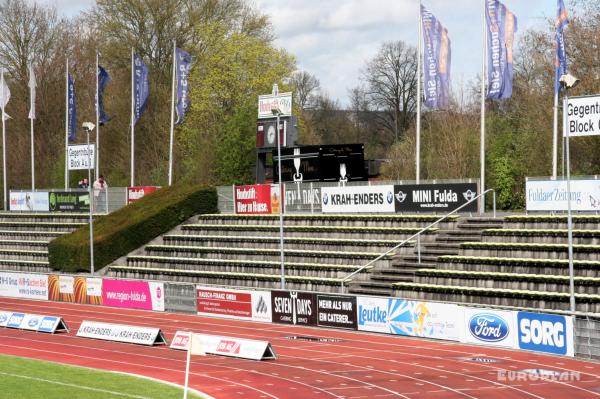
pixel 418 138
pixel 31 105
pixel 482 123
pixel 67 126
pixel 569 216
pixel 281 203
pixel 91 219
pixel 132 121
pixel 97 152
pixel 3 138
pixel 172 115
pixel 555 136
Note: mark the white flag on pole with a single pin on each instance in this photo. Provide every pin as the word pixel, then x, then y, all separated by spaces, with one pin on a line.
pixel 32 92
pixel 196 345
pixel 4 95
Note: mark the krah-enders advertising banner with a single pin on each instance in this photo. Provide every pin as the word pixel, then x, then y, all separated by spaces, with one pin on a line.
pixel 257 199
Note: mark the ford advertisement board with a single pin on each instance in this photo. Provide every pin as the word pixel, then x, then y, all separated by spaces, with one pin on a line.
pixel 489 327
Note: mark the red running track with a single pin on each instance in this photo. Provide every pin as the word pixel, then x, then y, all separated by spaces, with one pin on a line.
pixel 359 365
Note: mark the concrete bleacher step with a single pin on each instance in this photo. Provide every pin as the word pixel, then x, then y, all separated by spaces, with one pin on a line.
pixel 301 243
pixel 518 265
pixel 20 254
pixel 496 297
pixel 30 235
pixel 580 222
pixel 27 217
pixel 25 265
pixel 24 245
pixel 290 255
pixel 396 233
pixel 246 266
pixel 371 289
pixel 41 226
pixel 509 281
pixel 541 236
pixel 319 219
pixel 258 280
pixel 530 250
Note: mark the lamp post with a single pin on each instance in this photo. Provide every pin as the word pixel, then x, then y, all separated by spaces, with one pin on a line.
pixel 277 112
pixel 88 127
pixel 568 81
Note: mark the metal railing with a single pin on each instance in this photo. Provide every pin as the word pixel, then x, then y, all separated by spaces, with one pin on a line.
pixel 418 235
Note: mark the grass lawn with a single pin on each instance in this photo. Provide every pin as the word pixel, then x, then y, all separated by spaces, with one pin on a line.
pixel 26 378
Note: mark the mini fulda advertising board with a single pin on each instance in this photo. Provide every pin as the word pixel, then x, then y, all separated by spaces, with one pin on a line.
pixel 441 198
pixel 291 307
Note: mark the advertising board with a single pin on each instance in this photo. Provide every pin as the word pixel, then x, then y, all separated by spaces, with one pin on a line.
pixel 257 199
pixel 546 333
pixel 121 333
pixel 236 304
pixel 489 327
pixel 291 307
pixel 78 289
pixel 336 311
pixel 281 101
pixel 357 199
pixel 69 201
pixel 135 193
pixel 22 285
pixel 435 197
pixel 225 346
pixel 551 195
pixel 29 201
pixel 133 294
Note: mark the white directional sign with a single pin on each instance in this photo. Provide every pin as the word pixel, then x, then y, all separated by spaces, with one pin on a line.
pixel 78 156
pixel 582 116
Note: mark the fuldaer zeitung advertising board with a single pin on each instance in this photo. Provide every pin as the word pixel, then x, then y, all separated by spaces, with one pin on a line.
pixel 354 199
pixel 551 195
pixel 78 156
pixel 582 116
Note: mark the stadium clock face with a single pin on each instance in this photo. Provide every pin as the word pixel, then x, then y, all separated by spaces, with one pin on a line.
pixel 271 135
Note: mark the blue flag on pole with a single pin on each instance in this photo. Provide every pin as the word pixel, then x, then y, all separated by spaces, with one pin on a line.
pixel 501 28
pixel 436 61
pixel 182 71
pixel 141 86
pixel 103 79
pixel 562 20
pixel 72 111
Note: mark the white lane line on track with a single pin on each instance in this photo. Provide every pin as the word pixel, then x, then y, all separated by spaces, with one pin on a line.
pixel 65 384
pixel 203 323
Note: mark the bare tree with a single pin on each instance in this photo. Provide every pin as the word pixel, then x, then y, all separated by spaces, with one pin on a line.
pixel 391 81
pixel 305 86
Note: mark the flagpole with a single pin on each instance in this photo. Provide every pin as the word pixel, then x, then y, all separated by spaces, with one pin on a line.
pixel 31 116
pixel 172 114
pixel 97 152
pixel 482 123
pixel 132 120
pixel 187 368
pixel 555 134
pixel 67 126
pixel 2 83
pixel 418 139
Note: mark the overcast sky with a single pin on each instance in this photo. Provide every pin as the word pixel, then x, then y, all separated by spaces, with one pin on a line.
pixel 332 39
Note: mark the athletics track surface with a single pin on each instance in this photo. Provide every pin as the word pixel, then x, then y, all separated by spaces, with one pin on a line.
pixel 359 365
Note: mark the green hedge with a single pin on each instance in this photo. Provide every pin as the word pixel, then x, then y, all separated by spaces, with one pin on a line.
pixel 125 230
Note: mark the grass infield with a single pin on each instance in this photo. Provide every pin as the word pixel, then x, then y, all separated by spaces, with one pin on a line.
pixel 27 378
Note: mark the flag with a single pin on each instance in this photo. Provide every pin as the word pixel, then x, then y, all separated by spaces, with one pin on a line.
pixel 501 28
pixel 196 345
pixel 141 87
pixel 436 61
pixel 72 110
pixel 103 79
pixel 32 92
pixel 4 94
pixel 182 71
pixel 560 63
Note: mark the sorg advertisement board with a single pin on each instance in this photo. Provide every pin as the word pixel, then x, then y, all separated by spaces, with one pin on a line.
pixel 435 197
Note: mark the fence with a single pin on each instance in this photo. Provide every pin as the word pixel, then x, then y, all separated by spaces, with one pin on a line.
pixel 306 197
pixel 587 337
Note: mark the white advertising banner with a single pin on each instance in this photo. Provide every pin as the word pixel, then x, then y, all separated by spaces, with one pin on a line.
pixel 582 116
pixel 551 195
pixel 368 199
pixel 29 201
pixel 32 322
pixel 266 103
pixel 65 284
pixel 489 327
pixel 78 156
pixel 226 346
pixel 121 333
pixel 21 285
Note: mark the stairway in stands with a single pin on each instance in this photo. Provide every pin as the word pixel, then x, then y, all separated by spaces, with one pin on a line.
pixel 24 238
pixel 402 269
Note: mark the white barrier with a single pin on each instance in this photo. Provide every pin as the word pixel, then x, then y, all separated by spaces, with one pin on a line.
pixel 227 346
pixel 121 333
pixel 32 322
